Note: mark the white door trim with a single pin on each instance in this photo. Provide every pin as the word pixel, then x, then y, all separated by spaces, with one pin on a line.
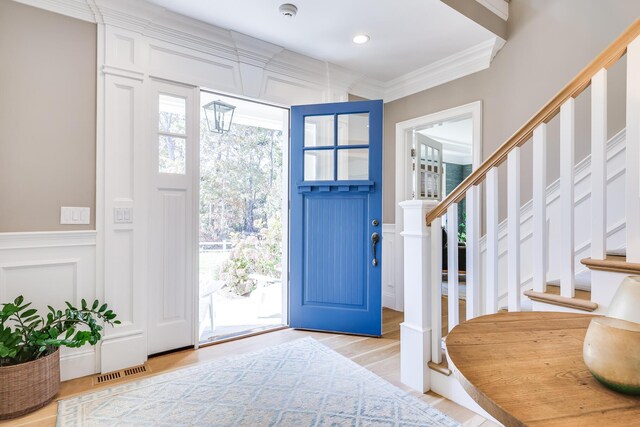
pixel 403 169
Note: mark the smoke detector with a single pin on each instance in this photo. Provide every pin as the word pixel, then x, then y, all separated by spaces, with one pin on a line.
pixel 288 10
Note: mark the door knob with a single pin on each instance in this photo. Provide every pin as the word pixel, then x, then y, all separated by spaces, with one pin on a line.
pixel 375 238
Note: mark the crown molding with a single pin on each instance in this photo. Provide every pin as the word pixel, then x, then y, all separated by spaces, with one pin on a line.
pixel 469 61
pixel 161 24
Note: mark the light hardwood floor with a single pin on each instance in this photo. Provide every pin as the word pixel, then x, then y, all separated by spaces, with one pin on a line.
pixel 380 355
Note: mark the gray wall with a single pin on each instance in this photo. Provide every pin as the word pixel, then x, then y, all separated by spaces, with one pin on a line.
pixel 549 42
pixel 47 117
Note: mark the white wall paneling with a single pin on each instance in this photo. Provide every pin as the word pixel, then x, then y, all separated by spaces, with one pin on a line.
pixel 121 184
pixel 389 267
pixel 50 268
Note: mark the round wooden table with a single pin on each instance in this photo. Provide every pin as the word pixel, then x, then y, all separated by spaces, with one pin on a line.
pixel 526 368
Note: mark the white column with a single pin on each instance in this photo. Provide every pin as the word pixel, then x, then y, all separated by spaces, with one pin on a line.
pixel 473 252
pixel 452 266
pixel 415 331
pixel 632 178
pixel 513 191
pixel 491 304
pixel 567 184
pixel 540 250
pixel 599 165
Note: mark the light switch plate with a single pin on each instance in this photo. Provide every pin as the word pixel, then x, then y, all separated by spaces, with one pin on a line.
pixel 75 215
pixel 122 215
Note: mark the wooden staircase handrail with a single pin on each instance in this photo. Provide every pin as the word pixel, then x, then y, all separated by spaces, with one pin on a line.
pixel 606 59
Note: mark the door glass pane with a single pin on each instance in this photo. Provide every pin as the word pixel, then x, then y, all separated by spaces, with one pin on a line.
pixel 318 165
pixel 353 129
pixel 171 154
pixel 318 131
pixel 173 112
pixel 353 164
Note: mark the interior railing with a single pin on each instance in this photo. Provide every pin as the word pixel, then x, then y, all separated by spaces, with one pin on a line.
pixel 594 75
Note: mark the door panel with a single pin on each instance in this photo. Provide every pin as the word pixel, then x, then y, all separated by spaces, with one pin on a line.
pixel 336 207
pixel 172 236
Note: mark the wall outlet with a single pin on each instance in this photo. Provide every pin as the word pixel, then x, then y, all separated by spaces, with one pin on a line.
pixel 75 215
pixel 122 215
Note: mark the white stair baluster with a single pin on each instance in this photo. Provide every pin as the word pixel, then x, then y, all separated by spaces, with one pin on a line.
pixel 473 252
pixel 540 251
pixel 567 183
pixel 599 165
pixel 491 305
pixel 513 211
pixel 632 178
pixel 436 290
pixel 452 266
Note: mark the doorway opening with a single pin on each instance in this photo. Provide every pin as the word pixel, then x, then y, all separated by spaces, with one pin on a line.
pixel 455 135
pixel 243 218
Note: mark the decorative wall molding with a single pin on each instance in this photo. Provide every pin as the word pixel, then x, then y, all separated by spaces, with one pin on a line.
pixel 49 268
pixel 47 239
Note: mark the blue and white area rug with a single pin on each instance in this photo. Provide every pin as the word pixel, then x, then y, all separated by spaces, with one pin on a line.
pixel 300 383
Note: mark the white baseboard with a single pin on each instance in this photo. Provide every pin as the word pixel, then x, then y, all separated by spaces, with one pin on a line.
pixel 80 364
pixel 123 352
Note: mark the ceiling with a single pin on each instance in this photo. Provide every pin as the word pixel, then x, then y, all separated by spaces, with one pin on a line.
pixel 406 35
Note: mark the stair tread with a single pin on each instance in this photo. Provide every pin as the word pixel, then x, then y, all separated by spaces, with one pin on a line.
pixel 579 294
pixel 581 301
pixel 613 263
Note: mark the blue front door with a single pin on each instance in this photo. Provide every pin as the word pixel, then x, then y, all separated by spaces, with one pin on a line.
pixel 336 217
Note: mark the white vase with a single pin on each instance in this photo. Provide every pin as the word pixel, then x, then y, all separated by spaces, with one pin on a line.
pixel 626 302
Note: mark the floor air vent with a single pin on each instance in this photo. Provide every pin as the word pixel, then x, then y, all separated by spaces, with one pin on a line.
pixel 111 376
pixel 108 377
pixel 135 370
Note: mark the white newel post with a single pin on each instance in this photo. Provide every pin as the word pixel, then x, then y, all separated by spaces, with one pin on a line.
pixel 415 331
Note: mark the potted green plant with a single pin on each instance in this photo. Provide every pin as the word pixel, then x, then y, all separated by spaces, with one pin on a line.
pixel 29 350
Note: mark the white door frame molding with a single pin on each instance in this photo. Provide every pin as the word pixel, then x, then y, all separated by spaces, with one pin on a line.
pixel 403 170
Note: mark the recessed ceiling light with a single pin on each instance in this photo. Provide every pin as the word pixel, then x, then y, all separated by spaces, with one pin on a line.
pixel 361 38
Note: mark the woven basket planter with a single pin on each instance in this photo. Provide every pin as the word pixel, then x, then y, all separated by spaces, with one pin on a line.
pixel 29 386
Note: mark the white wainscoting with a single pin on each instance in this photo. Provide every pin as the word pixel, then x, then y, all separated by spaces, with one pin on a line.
pixel 615 223
pixel 50 268
pixel 392 295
